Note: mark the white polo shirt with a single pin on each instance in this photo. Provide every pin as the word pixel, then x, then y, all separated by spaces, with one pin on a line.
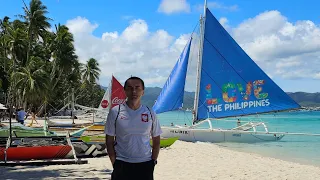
pixel 133 131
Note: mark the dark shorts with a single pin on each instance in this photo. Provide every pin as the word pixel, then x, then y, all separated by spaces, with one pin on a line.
pixel 124 170
pixel 21 121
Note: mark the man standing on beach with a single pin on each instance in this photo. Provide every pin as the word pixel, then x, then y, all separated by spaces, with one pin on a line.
pixel 21 115
pixel 129 128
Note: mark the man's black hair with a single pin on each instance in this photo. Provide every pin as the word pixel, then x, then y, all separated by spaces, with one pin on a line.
pixel 134 77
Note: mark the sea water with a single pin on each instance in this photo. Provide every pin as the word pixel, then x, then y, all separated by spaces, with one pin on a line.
pixel 296 148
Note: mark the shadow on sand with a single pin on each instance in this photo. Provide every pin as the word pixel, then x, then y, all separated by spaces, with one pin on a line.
pixel 36 172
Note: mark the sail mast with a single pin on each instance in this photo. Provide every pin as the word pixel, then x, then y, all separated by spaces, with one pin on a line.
pixel 199 64
pixel 110 94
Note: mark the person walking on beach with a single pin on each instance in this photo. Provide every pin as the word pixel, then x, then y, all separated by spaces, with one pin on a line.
pixel 128 129
pixel 33 117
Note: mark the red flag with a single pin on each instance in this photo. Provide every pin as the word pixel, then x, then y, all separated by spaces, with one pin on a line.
pixel 118 96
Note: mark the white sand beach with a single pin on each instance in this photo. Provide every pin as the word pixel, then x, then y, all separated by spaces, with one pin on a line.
pixel 182 160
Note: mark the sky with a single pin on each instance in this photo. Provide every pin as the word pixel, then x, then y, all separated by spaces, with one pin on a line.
pixel 145 37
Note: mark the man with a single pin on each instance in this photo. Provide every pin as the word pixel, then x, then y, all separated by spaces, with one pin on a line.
pixel 20 115
pixel 128 129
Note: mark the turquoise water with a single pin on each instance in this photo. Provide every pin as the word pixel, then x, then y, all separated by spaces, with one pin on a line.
pixel 295 148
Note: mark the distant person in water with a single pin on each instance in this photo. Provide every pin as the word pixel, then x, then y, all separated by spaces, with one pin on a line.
pixel 238 122
pixel 129 128
pixel 21 115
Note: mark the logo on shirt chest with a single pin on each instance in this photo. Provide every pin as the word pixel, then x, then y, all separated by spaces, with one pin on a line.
pixel 144 118
pixel 123 117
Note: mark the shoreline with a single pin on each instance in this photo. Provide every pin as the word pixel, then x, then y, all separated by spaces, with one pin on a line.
pixel 265 151
pixel 183 160
pixel 267 154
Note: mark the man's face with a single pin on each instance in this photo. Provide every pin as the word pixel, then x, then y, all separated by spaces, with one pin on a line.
pixel 134 89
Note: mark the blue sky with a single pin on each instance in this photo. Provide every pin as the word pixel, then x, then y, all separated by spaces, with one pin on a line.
pixel 172 21
pixel 114 15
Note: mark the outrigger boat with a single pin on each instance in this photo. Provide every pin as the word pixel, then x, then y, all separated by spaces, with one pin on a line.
pixel 164 142
pixel 228 84
pixel 18 130
pixel 30 150
pixel 113 96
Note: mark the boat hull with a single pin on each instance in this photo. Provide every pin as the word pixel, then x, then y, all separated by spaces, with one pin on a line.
pixel 89 150
pixel 36 153
pixel 96 127
pixel 164 142
pixel 67 124
pixel 40 132
pixel 81 149
pixel 25 133
pixel 217 136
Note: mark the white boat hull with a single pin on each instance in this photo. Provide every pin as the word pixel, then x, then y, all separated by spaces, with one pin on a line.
pixel 216 135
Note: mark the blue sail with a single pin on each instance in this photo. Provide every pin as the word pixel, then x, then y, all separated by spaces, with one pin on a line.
pixel 232 84
pixel 171 96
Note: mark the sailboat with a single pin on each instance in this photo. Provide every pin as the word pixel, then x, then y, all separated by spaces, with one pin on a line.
pixel 228 84
pixel 113 96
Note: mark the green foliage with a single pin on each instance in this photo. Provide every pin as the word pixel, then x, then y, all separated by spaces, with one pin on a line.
pixel 39 66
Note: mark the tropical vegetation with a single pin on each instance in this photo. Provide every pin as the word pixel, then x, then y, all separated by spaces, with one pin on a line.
pixel 39 65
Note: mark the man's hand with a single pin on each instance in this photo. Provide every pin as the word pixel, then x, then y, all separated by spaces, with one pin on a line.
pixel 110 148
pixel 155 147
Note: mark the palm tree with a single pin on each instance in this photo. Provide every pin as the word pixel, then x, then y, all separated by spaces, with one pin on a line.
pixel 13 44
pixel 64 67
pixel 90 74
pixel 32 81
pixel 4 42
pixel 91 71
pixel 38 23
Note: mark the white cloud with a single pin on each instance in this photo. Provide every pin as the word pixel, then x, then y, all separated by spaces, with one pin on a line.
pixel 225 23
pixel 81 25
pixel 282 48
pixel 110 36
pixel 134 51
pixel 137 31
pixel 174 6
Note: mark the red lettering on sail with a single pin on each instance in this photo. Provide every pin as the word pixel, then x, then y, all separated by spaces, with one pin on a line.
pixel 117 101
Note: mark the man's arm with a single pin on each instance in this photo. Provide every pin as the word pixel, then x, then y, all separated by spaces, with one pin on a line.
pixel 110 148
pixel 110 132
pixel 155 147
pixel 155 132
